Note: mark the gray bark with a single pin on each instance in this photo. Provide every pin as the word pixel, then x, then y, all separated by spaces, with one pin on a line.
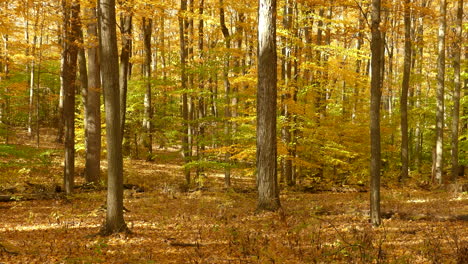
pixel 404 93
pixel 110 82
pixel 126 30
pixel 71 11
pixel 456 89
pixel 438 161
pixel 267 181
pixel 93 105
pixel 375 162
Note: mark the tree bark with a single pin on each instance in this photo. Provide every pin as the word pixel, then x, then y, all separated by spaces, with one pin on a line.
pixel 375 162
pixel 126 30
pixel 456 89
pixel 286 162
pixel 267 181
pixel 227 99
pixel 93 105
pixel 404 93
pixel 438 161
pixel 110 81
pixel 148 119
pixel 183 26
pixel 71 11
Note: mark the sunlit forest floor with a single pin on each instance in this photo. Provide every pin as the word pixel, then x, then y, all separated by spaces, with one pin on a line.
pixel 173 224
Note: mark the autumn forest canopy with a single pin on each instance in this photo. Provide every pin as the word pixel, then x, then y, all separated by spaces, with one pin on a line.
pixel 237 108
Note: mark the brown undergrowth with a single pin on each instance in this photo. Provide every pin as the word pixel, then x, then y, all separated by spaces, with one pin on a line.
pixel 171 223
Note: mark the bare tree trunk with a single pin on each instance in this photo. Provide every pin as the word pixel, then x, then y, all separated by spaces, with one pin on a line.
pixel 126 30
pixel 110 82
pixel 267 180
pixel 148 119
pixel 227 91
pixel 71 11
pixel 286 162
pixel 6 71
pixel 183 26
pixel 420 54
pixel 404 94
pixel 375 162
pixel 438 161
pixel 456 89
pixel 93 106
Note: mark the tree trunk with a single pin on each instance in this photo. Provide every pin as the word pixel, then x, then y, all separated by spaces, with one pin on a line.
pixel 438 161
pixel 148 119
pixel 456 89
pixel 93 105
pixel 71 11
pixel 404 93
pixel 267 181
pixel 126 30
pixel 183 26
pixel 376 61
pixel 227 91
pixel 286 162
pixel 420 54
pixel 110 81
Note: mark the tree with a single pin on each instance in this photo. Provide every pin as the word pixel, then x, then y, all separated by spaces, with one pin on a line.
pixel 439 144
pixel 456 89
pixel 126 30
pixel 71 11
pixel 404 93
pixel 183 26
pixel 147 121
pixel 267 180
pixel 227 90
pixel 376 60
pixel 110 82
pixel 93 104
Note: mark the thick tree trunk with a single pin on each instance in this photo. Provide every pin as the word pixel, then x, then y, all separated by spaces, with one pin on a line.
pixel 71 11
pixel 110 72
pixel 438 161
pixel 456 89
pixel 404 94
pixel 375 163
pixel 267 181
pixel 93 105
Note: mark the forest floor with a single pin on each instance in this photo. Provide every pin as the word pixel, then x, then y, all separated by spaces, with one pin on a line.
pixel 173 224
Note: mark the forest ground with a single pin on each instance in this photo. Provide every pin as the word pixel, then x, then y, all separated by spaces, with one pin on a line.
pixel 173 224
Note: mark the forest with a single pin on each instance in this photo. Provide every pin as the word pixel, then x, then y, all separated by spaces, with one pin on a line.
pixel 217 131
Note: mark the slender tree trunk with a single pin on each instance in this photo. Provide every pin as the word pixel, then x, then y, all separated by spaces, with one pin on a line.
pixel 404 93
pixel 267 181
pixel 201 88
pixel 32 69
pixel 183 26
pixel 126 30
pixel 71 11
pixel 93 105
pixel 456 89
pixel 227 91
pixel 6 71
pixel 147 121
pixel 375 162
pixel 438 161
pixel 110 72
pixel 286 162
